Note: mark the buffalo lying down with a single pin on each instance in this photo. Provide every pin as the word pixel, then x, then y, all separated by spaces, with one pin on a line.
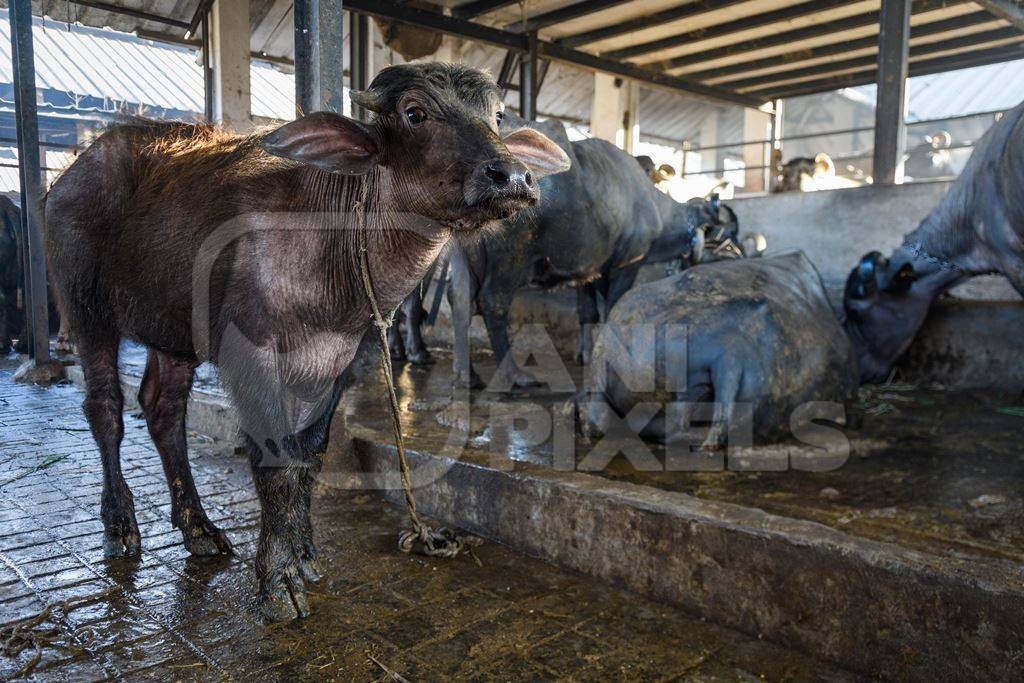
pixel 977 228
pixel 753 331
pixel 244 250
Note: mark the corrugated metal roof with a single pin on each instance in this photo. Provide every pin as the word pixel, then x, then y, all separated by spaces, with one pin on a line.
pixel 750 39
pixel 122 69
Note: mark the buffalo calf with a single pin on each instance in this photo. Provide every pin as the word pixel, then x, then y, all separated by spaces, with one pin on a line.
pixel 244 250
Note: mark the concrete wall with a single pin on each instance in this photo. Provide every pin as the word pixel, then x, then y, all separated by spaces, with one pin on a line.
pixel 836 227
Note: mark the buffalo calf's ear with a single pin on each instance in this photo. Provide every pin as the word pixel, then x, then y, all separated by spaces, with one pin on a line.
pixel 328 141
pixel 537 151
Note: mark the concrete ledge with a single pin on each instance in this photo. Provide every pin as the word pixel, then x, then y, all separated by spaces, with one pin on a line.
pixel 209 414
pixel 970 345
pixel 872 607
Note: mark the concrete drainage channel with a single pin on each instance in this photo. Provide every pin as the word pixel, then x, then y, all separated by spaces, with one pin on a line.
pixel 873 607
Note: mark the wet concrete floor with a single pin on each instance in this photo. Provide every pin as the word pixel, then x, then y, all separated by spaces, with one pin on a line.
pixel 378 615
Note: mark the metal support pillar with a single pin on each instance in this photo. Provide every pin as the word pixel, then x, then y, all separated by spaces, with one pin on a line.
pixel 890 104
pixel 207 69
pixel 23 62
pixel 359 59
pixel 528 81
pixel 319 56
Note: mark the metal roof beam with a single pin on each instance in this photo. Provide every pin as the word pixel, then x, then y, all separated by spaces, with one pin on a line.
pixel 919 68
pixel 686 11
pixel 128 12
pixel 559 53
pixel 1011 10
pixel 973 40
pixel 545 49
pixel 792 58
pixel 567 13
pixel 803 9
pixel 806 33
pixel 475 9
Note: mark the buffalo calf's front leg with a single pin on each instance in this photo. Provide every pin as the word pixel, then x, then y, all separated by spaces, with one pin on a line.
pixel 164 397
pixel 283 489
pixel 285 472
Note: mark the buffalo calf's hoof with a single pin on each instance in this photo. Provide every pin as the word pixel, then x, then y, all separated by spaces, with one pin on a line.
pixel 122 542
pixel 206 540
pixel 120 530
pixel 284 597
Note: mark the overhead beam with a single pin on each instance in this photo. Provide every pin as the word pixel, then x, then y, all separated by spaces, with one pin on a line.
pixel 475 9
pixel 973 40
pixel 23 64
pixel 803 9
pixel 1011 10
pixel 923 67
pixel 805 55
pixel 687 11
pixel 891 100
pixel 567 13
pixel 545 49
pixel 789 37
pixel 128 12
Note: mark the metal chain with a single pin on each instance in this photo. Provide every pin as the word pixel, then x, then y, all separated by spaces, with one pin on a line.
pixel 440 542
pixel 918 252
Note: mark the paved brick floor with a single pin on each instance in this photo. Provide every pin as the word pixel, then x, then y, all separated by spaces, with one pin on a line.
pixel 168 616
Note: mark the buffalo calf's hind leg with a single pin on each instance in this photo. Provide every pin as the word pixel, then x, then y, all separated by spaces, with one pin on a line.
pixel 102 406
pixel 164 397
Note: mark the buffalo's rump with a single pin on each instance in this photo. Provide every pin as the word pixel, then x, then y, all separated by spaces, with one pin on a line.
pixel 758 331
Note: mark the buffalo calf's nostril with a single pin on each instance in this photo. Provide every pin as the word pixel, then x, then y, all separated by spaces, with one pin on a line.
pixel 497 175
pixel 529 178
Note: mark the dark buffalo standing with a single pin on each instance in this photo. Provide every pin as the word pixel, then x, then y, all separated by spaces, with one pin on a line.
pixel 758 332
pixel 244 250
pixel 10 273
pixel 977 228
pixel 596 226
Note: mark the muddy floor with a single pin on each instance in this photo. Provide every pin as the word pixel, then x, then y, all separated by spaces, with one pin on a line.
pixel 378 615
pixel 929 468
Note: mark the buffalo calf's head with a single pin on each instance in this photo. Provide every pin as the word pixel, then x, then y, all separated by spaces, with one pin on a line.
pixel 434 138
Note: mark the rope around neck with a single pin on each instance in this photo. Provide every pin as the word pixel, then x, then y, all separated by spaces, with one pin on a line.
pixel 440 542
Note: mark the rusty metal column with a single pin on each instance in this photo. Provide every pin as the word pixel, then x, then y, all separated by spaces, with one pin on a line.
pixel 359 42
pixel 36 299
pixel 528 81
pixel 319 56
pixel 890 102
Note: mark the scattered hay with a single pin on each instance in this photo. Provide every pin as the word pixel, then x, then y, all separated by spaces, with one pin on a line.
pixel 47 462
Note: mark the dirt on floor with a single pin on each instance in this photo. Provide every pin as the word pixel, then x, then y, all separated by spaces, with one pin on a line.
pixel 930 468
pixel 68 614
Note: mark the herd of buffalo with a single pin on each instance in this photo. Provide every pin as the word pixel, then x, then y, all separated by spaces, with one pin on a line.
pixel 244 250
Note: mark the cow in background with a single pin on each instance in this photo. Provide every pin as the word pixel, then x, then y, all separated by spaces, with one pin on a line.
pixel 10 274
pixel 800 174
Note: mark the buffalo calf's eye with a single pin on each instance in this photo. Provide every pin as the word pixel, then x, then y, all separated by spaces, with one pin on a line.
pixel 415 115
pixel 499 117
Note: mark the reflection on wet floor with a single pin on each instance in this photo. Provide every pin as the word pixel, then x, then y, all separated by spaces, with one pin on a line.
pixel 931 469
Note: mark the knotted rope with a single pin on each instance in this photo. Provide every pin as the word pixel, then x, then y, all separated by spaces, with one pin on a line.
pixel 440 542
